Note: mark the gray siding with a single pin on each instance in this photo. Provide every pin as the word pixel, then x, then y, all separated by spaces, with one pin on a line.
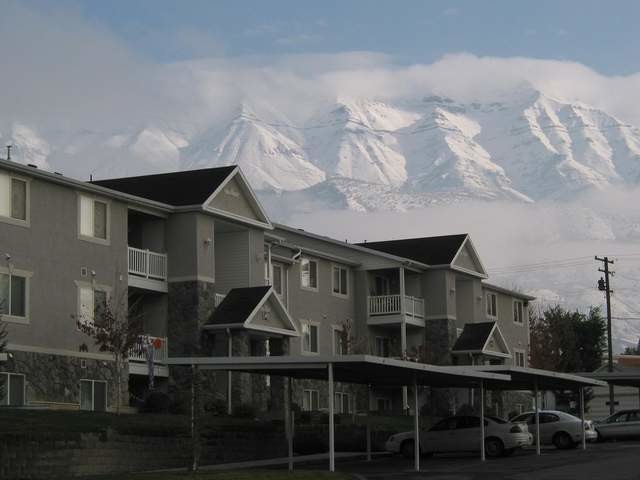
pixel 51 250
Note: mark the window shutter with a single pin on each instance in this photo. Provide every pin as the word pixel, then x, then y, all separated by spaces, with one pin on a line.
pixel 18 199
pixel 5 195
pixel 86 216
pixel 86 305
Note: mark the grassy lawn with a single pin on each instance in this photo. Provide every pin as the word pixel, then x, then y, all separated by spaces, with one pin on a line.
pixel 233 475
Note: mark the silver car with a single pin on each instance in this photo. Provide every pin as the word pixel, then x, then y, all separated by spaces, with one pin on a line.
pixel 558 428
pixel 462 434
pixel 625 423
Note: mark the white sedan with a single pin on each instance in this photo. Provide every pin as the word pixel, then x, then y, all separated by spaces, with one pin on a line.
pixel 462 434
pixel 558 428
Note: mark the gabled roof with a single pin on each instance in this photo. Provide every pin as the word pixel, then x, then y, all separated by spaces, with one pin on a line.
pixel 476 338
pixel 240 307
pixel 440 250
pixel 191 187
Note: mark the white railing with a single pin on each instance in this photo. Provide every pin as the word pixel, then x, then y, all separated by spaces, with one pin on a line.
pixel 147 264
pixel 414 306
pixel 218 299
pixel 391 304
pixel 138 352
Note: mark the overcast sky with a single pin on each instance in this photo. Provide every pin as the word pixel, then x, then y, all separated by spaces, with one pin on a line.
pixel 602 35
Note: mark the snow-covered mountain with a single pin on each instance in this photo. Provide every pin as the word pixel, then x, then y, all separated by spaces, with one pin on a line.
pixel 366 155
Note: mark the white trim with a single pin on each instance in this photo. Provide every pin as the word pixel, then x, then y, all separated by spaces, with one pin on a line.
pixel 91 238
pixel 8 388
pixel 311 392
pixel 271 293
pixel 495 329
pixel 309 323
pixel 336 328
pixel 486 306
pixel 93 393
pixel 26 320
pixel 17 221
pixel 81 284
pixel 191 278
pixel 317 262
pixel 333 286
pixel 513 310
pixel 483 272
pixel 516 351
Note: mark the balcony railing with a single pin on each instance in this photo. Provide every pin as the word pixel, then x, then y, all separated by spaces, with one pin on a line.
pixel 218 299
pixel 138 352
pixel 391 304
pixel 147 264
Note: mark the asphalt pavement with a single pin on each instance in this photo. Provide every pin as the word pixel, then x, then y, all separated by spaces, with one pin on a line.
pixel 606 461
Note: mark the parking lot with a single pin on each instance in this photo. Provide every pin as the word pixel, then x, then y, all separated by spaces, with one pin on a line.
pixel 614 460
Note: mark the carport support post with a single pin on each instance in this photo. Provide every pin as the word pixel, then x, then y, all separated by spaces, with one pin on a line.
pixel 416 426
pixel 332 459
pixel 369 426
pixel 482 453
pixel 584 435
pixel 288 424
pixel 537 414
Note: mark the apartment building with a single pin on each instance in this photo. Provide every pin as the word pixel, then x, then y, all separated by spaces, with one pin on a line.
pixel 197 258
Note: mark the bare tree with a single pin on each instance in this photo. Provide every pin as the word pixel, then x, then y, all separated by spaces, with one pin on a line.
pixel 350 343
pixel 114 329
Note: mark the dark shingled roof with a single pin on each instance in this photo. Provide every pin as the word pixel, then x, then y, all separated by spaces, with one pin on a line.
pixel 191 187
pixel 473 336
pixel 238 305
pixel 429 250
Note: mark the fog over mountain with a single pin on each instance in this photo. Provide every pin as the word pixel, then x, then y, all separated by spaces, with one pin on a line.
pixel 538 159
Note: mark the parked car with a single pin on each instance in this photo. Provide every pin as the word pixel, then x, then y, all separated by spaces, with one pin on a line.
pixel 462 434
pixel 625 423
pixel 558 428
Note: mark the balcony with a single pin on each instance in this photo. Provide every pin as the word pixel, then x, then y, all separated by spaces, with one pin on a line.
pixel 387 310
pixel 218 299
pixel 138 363
pixel 147 269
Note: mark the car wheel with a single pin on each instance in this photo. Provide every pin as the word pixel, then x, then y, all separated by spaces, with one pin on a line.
pixel 562 441
pixel 493 447
pixel 407 449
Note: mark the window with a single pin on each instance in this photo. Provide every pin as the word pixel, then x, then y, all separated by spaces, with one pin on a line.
pixel 383 286
pixel 383 404
pixel 338 341
pixel 310 400
pixel 309 274
pixel 310 340
pixel 520 359
pixel 92 304
pixel 93 395
pixel 94 221
pixel 13 295
pixel 340 281
pixel 492 305
pixel 382 346
pixel 277 279
pixel 518 311
pixel 13 391
pixel 342 402
pixel 13 198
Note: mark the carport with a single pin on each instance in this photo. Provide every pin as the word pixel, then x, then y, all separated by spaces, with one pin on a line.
pixel 618 379
pixel 523 378
pixel 358 369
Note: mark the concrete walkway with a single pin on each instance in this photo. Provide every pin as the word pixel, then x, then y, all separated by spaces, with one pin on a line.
pixel 274 462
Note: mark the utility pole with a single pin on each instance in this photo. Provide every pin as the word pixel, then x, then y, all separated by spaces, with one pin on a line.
pixel 603 285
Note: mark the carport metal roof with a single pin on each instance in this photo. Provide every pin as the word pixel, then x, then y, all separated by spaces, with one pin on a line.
pixel 620 379
pixel 523 378
pixel 360 369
